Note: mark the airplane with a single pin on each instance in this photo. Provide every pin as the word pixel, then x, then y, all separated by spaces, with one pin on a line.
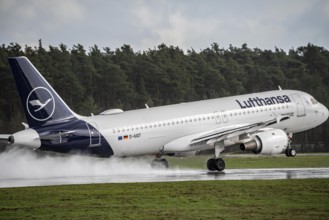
pixel 262 123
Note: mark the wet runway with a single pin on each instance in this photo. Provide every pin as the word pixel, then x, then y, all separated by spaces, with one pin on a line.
pixel 22 167
pixel 171 176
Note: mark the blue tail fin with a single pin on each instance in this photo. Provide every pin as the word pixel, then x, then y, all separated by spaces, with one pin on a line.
pixel 41 104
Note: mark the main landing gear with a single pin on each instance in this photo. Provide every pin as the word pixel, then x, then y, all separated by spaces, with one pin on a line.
pixel 160 163
pixel 214 164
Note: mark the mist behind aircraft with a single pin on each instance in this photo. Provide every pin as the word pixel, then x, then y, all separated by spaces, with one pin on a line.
pixel 23 163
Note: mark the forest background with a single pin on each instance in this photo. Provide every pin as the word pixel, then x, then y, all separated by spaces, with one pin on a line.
pixel 99 79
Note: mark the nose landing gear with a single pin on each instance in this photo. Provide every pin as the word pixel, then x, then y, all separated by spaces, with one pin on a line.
pixel 289 151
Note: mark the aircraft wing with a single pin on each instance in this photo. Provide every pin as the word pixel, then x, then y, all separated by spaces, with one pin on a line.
pixel 208 138
pixel 235 130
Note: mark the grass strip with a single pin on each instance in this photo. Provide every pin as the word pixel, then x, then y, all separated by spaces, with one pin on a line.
pixel 266 199
pixel 299 161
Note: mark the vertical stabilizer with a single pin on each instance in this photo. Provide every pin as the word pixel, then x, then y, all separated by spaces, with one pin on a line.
pixel 40 102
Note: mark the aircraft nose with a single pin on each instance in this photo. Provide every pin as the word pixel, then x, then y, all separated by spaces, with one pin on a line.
pixel 325 112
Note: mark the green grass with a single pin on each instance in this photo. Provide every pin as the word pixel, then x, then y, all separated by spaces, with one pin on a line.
pixel 299 161
pixel 275 199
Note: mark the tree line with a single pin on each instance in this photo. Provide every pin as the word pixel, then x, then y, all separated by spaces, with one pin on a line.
pixel 93 80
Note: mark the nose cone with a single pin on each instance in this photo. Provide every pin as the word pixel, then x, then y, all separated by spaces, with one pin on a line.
pixel 325 113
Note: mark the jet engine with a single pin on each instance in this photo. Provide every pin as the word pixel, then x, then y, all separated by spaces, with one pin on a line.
pixel 269 142
pixel 26 138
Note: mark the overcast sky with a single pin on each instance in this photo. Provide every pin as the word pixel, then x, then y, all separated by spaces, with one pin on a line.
pixel 144 24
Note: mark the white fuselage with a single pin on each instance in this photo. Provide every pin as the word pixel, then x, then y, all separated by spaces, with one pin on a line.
pixel 146 131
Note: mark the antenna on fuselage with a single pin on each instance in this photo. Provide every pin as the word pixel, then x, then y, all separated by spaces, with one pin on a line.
pixel 279 87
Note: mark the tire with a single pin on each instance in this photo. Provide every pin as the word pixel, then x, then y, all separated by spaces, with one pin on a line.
pixel 220 164
pixel 211 164
pixel 287 152
pixel 160 164
pixel 292 153
pixel 164 163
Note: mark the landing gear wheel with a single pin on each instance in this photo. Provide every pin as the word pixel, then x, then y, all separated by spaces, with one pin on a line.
pixel 211 164
pixel 164 163
pixel 220 164
pixel 160 163
pixel 291 152
pixel 216 164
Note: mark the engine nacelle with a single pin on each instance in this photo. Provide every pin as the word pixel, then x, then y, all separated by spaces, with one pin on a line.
pixel 268 142
pixel 27 138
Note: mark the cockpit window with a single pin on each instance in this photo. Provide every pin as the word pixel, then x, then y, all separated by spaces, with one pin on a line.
pixel 313 100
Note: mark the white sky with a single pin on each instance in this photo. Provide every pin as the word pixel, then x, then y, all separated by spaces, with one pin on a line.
pixel 145 24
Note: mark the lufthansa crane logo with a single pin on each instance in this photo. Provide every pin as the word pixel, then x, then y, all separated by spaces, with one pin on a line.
pixel 40 104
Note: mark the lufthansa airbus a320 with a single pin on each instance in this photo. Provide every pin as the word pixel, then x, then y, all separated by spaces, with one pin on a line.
pixel 260 122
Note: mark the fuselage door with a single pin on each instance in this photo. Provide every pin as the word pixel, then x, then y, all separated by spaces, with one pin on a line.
pixel 224 117
pixel 217 117
pixel 95 137
pixel 299 105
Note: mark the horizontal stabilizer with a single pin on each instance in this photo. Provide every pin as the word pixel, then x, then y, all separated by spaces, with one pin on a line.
pixel 4 138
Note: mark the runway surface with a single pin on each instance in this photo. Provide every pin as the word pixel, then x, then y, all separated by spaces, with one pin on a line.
pixel 22 167
pixel 172 175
